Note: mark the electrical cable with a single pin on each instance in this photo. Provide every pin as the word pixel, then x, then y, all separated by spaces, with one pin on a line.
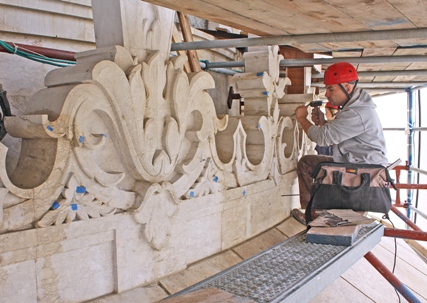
pixel 34 56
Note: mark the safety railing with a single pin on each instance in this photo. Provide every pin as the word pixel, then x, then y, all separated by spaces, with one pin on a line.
pixel 410 186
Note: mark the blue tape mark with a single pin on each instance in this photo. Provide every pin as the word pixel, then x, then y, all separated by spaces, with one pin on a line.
pixel 191 193
pixel 203 160
pixel 244 192
pixel 259 126
pixel 74 206
pixel 55 205
pixel 81 139
pixel 260 74
pixel 265 93
pixel 80 189
pixel 49 128
pixel 104 135
pixel 216 179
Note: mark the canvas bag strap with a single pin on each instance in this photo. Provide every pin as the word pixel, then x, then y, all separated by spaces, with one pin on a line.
pixel 307 213
pixel 308 208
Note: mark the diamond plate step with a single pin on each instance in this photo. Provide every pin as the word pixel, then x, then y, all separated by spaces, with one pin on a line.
pixel 291 271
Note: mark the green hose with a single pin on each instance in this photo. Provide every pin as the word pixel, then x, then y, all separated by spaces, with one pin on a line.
pixel 35 57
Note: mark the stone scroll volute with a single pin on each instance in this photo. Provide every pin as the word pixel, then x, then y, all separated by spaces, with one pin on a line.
pixel 119 133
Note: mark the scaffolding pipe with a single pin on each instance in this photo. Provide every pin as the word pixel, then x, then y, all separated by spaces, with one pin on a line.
pixel 225 71
pixel 67 55
pixel 405 234
pixel 419 212
pixel 204 66
pixel 411 186
pixel 415 169
pixel 397 34
pixel 410 138
pixel 405 218
pixel 353 60
pixel 391 278
pixel 382 84
pixel 386 73
pixel 378 90
pixel 326 61
pixel 414 129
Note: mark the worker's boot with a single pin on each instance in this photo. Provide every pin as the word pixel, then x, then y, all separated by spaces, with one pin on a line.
pixel 299 215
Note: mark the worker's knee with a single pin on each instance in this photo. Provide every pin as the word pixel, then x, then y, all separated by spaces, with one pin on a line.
pixel 307 163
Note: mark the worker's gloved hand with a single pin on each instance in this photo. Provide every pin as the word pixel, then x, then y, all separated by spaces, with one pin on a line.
pixel 317 116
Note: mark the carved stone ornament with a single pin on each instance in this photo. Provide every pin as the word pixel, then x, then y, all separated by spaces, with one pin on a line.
pixel 126 134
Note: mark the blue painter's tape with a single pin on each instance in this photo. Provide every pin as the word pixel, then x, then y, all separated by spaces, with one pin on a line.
pixel 216 179
pixel 191 193
pixel 49 128
pixel 244 192
pixel 80 189
pixel 259 126
pixel 265 93
pixel 74 206
pixel 81 139
pixel 104 135
pixel 260 74
pixel 55 205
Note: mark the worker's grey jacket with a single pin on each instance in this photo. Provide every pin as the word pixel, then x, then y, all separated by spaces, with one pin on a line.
pixel 356 132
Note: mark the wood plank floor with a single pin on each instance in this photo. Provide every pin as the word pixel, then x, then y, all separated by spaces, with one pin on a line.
pixel 361 283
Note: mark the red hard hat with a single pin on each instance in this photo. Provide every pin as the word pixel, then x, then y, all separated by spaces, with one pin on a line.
pixel 329 105
pixel 341 72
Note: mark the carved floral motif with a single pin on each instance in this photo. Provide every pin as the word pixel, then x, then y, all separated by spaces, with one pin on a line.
pixel 150 123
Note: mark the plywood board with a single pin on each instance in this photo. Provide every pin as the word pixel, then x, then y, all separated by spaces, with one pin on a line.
pixel 290 227
pixel 341 291
pixel 374 14
pixel 213 12
pixel 200 271
pixel 259 243
pixel 209 295
pixel 413 10
pixel 413 277
pixel 148 293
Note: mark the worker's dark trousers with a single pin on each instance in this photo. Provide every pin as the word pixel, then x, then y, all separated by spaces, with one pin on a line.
pixel 304 169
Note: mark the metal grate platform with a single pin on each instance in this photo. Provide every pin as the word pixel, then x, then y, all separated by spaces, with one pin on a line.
pixel 291 271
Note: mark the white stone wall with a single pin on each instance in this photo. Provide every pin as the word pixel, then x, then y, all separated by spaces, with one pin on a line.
pixel 87 259
pixel 63 25
pixel 125 171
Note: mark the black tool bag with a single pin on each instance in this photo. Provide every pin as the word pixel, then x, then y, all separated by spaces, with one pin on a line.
pixel 360 187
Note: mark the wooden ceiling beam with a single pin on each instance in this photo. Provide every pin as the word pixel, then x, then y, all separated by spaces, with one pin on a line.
pixel 193 58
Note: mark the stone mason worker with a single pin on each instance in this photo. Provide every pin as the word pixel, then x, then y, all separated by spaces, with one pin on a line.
pixel 356 134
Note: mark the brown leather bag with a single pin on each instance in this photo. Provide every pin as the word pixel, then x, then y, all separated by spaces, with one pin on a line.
pixel 360 187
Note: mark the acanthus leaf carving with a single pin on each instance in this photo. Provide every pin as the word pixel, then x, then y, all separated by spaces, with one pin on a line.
pixel 209 182
pixel 155 212
pixel 156 124
pixel 75 202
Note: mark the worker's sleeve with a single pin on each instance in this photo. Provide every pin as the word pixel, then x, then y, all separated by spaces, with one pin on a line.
pixel 348 124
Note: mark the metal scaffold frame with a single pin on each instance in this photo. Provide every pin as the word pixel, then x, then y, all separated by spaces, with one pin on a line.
pixel 412 94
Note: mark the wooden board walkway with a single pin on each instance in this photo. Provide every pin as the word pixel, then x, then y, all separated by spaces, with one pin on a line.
pixel 360 284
